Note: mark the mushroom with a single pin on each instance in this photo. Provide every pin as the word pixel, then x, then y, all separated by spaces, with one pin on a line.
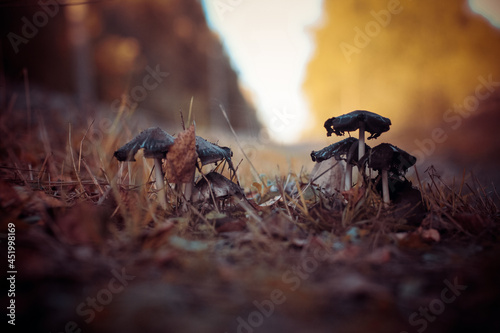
pixel 155 143
pixel 218 185
pixel 359 119
pixel 387 158
pixel 211 153
pixel 346 150
pixel 208 153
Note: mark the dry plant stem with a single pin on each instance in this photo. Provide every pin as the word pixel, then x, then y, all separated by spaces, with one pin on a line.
pixel 160 186
pixel 254 170
pixel 130 180
pixel 119 175
pixel 385 187
pixel 77 173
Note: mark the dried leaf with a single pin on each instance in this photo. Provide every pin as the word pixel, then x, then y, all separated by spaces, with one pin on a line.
pixel 181 157
pixel 429 234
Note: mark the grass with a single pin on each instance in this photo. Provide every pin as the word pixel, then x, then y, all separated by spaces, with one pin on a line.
pixel 344 262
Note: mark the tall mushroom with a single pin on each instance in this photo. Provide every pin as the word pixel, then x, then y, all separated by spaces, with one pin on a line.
pixel 359 119
pixel 387 158
pixel 155 143
pixel 346 150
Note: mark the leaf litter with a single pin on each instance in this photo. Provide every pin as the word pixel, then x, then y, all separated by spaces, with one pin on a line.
pixel 322 261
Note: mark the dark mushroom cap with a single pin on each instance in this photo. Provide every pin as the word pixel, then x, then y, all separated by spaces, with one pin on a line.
pixel 211 153
pixel 389 157
pixel 346 150
pixel 154 140
pixel 220 185
pixel 374 123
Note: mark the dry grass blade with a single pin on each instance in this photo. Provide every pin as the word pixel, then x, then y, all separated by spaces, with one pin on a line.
pixel 254 170
pixel 77 174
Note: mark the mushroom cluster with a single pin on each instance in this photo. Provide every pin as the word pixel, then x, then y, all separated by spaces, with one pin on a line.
pixel 346 150
pixel 156 143
pixel 385 158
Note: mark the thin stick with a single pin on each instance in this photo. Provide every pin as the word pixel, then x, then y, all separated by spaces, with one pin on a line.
pixel 190 110
pixel 256 174
pixel 42 169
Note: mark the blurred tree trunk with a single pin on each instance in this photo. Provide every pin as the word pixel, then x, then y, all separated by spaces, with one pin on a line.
pixel 78 39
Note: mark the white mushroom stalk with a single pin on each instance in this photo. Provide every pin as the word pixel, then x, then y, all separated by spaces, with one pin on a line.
pixel 385 188
pixel 387 158
pixel 160 183
pixel 342 150
pixel 156 143
pixel 361 141
pixel 362 120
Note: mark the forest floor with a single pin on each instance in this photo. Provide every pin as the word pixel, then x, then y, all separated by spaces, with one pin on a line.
pixel 95 253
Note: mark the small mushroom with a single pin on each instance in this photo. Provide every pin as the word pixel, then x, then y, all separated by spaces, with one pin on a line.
pixel 346 150
pixel 218 185
pixel 362 120
pixel 389 158
pixel 155 143
pixel 211 153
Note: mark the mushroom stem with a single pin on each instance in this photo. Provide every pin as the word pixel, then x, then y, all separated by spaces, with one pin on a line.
pixel 385 187
pixel 348 177
pixel 361 142
pixel 160 185
pixel 187 189
pixel 361 150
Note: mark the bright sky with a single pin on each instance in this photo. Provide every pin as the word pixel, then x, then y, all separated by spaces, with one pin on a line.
pixel 269 44
pixel 490 9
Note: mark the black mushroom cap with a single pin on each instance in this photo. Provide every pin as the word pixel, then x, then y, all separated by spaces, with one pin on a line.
pixel 374 123
pixel 211 153
pixel 389 157
pixel 346 150
pixel 154 140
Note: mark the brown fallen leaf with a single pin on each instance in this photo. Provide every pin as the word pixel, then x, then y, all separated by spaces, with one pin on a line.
pixel 181 157
pixel 429 234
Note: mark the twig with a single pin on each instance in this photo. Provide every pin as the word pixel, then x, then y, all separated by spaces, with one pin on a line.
pixel 256 174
